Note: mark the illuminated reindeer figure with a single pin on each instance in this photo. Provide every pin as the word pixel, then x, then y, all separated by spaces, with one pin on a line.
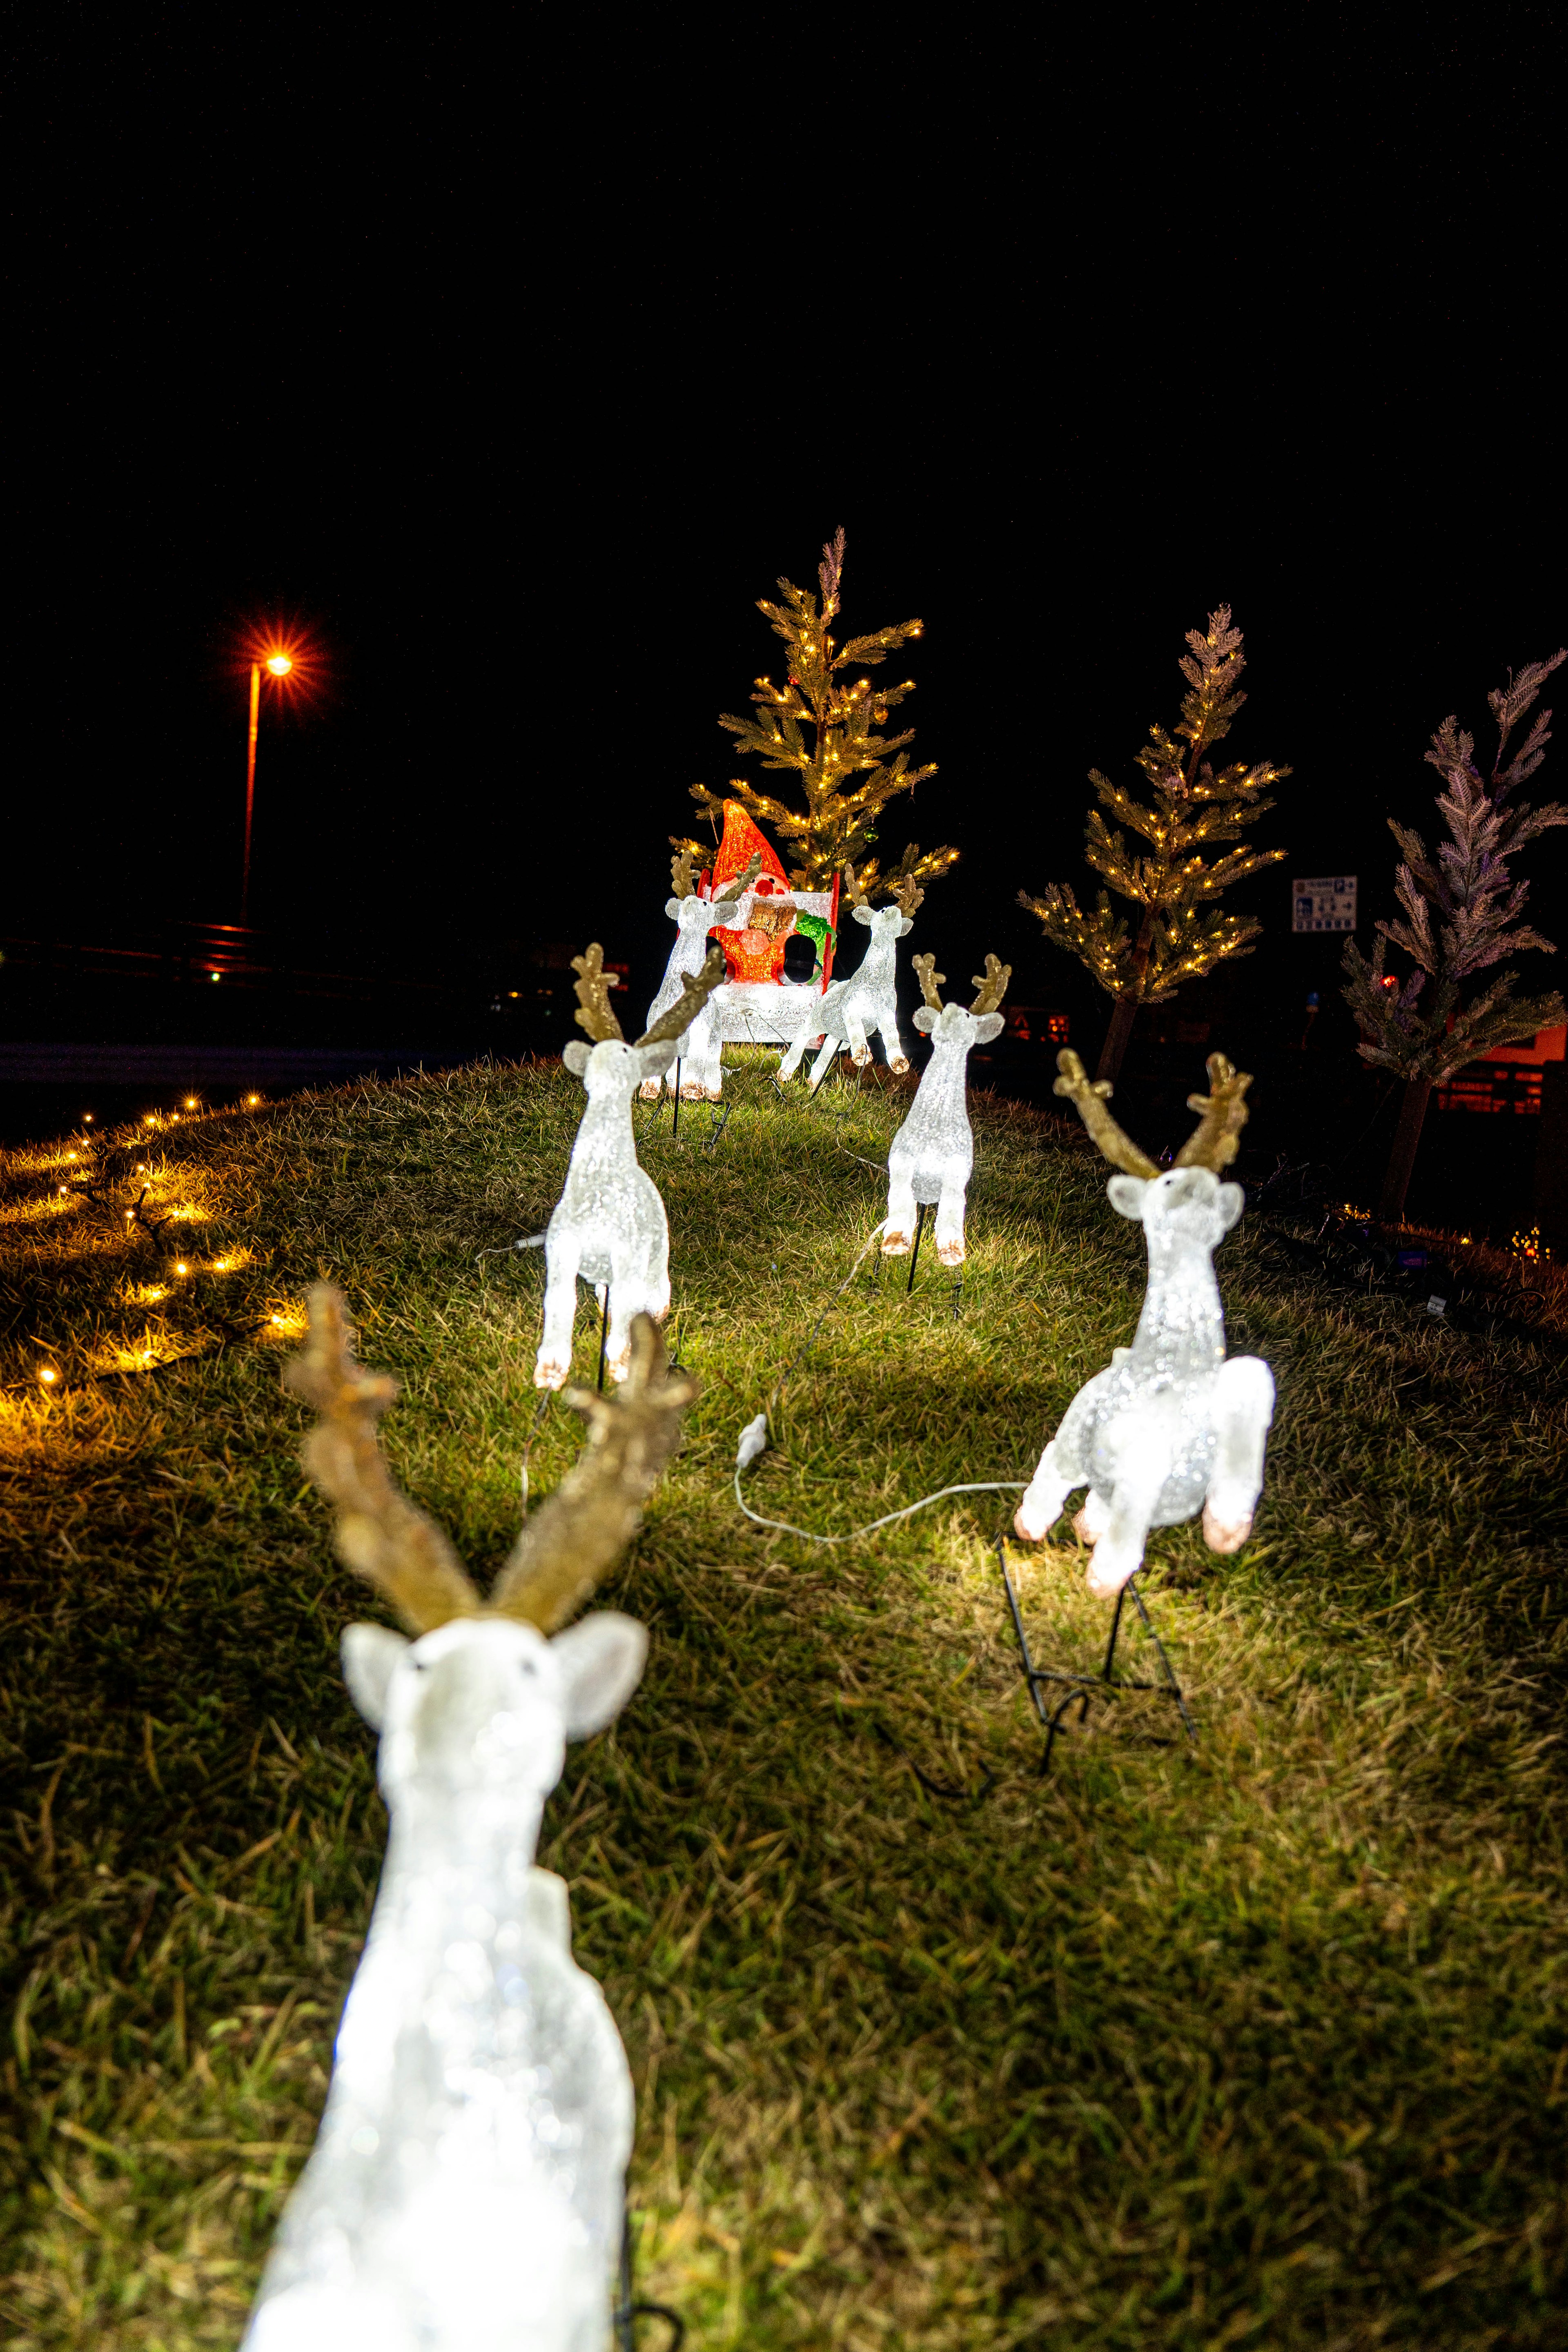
pixel 866 999
pixel 609 1224
pixel 933 1151
pixel 694 916
pixel 466 2190
pixel 1172 1425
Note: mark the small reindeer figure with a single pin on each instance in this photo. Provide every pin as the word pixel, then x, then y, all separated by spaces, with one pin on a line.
pixel 694 916
pixel 609 1224
pixel 866 999
pixel 933 1151
pixel 1172 1424
pixel 467 2186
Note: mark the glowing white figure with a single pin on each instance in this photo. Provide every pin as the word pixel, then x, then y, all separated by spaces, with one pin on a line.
pixel 609 1224
pixel 467 2187
pixel 694 916
pixel 866 999
pixel 933 1151
pixel 1171 1425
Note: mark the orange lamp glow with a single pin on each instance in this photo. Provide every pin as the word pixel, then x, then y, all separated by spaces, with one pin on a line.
pixel 279 665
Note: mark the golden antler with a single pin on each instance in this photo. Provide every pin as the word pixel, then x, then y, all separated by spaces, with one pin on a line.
pixel 562 1552
pixel 378 1532
pixel 739 884
pixel 908 896
pixel 696 988
pixel 856 895
pixel 930 979
pixel 1090 1100
pixel 593 985
pixel 1223 1115
pixel 681 880
pixel 593 1512
pixel 993 985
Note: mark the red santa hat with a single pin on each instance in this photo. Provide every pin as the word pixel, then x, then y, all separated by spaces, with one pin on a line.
pixel 742 841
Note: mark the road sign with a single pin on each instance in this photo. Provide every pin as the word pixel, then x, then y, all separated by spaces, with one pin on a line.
pixel 1325 903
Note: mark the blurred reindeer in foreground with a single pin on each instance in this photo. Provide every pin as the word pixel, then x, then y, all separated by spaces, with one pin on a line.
pixel 1172 1424
pixel 467 2186
pixel 933 1151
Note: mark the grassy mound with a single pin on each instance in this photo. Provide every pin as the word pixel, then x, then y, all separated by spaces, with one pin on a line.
pixel 1261 2043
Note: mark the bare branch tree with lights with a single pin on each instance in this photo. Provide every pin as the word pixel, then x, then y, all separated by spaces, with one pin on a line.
pixel 1465 884
pixel 822 726
pixel 1181 932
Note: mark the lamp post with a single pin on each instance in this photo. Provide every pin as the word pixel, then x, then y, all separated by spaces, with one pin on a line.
pixel 278 666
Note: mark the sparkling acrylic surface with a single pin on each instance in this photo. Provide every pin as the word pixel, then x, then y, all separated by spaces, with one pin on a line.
pixel 853 1007
pixel 466 2190
pixel 609 1224
pixel 1170 1427
pixel 932 1153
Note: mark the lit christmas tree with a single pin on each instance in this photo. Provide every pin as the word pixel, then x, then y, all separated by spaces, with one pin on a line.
pixel 1181 932
pixel 1466 885
pixel 821 725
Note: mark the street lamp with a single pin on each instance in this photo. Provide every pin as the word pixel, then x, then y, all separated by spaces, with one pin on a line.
pixel 277 665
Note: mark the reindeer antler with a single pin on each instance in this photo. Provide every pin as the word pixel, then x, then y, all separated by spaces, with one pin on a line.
pixel 993 985
pixel 680 879
pixel 378 1532
pixel 930 979
pixel 594 984
pixel 739 884
pixel 908 896
pixel 1090 1100
pixel 858 897
pixel 1223 1115
pixel 696 988
pixel 593 1512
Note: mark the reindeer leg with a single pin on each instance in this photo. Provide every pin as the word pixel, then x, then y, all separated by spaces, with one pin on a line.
pixel 626 1298
pixel 899 1232
pixel 1243 1409
pixel 819 1067
pixel 793 1055
pixel 552 1365
pixel 899 1062
pixel 950 1219
pixel 1063 1465
pixel 1141 1447
pixel 855 1039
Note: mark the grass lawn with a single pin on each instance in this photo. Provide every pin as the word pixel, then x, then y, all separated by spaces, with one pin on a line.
pixel 1260 2044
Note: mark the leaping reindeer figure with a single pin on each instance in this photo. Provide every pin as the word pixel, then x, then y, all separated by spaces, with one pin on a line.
pixel 467 2186
pixel 867 999
pixel 609 1224
pixel 694 916
pixel 1172 1424
pixel 933 1151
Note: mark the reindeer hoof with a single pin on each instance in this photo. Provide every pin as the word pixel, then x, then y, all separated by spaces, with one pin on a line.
pixel 618 1366
pixel 1105 1581
pixel 949 1252
pixel 895 1244
pixel 1025 1525
pixel 650 1090
pixel 550 1372
pixel 693 1093
pixel 862 1058
pixel 1222 1538
pixel 900 1067
pixel 1091 1520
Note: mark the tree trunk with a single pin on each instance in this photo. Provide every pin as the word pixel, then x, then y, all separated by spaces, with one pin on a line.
pixel 1402 1156
pixel 1123 1013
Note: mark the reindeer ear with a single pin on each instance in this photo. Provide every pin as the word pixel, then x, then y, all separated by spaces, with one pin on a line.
pixel 1126 1193
pixel 988 1026
pixel 926 1019
pixel 601 1660
pixel 672 907
pixel 904 925
pixel 862 914
pixel 1230 1201
pixel 369 1653
pixel 575 1055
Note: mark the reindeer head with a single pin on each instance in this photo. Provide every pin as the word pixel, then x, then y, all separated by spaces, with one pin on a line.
pixel 481 1699
pixel 692 912
pixel 886 922
pixel 609 1066
pixel 1185 1205
pixel 949 1024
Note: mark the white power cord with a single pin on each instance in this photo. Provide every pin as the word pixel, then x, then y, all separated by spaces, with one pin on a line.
pixel 754 1441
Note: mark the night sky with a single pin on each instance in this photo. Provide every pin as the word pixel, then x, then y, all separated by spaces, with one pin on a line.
pixel 516 369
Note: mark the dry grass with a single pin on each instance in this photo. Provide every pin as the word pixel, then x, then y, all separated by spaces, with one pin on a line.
pixel 1262 2044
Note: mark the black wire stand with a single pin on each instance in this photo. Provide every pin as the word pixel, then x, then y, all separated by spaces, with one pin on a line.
pixel 1081 1688
pixel 629 2310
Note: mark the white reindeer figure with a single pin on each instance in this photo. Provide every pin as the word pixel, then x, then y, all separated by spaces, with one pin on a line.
pixel 867 999
pixel 609 1224
pixel 694 916
pixel 467 2187
pixel 933 1151
pixel 1172 1424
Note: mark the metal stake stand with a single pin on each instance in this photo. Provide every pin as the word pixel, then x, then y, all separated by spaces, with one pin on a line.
pixel 921 1211
pixel 628 2312
pixel 603 1334
pixel 1081 1688
pixel 675 1123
